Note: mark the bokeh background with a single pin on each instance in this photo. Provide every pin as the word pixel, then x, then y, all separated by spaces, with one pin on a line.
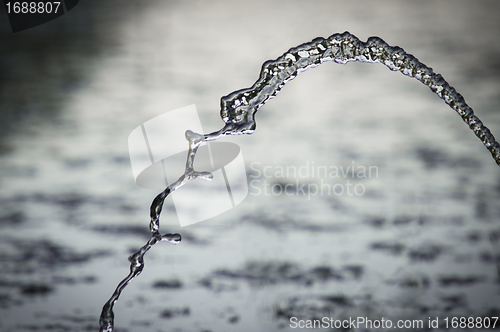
pixel 422 241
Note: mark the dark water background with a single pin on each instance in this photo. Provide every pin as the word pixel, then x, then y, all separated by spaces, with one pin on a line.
pixel 423 240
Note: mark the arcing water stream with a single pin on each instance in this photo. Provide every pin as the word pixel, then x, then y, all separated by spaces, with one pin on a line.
pixel 238 111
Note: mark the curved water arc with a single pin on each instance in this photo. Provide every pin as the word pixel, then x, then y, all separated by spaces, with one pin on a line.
pixel 238 111
pixel 238 108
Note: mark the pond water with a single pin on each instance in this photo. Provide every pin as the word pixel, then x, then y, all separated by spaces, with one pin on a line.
pixel 421 240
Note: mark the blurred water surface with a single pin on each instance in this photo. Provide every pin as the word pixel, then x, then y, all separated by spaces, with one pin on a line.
pixel 422 241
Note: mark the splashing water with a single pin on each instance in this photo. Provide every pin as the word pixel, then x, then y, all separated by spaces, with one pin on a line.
pixel 238 111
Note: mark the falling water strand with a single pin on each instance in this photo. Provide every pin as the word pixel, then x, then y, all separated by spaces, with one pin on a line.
pixel 238 111
pixel 106 320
